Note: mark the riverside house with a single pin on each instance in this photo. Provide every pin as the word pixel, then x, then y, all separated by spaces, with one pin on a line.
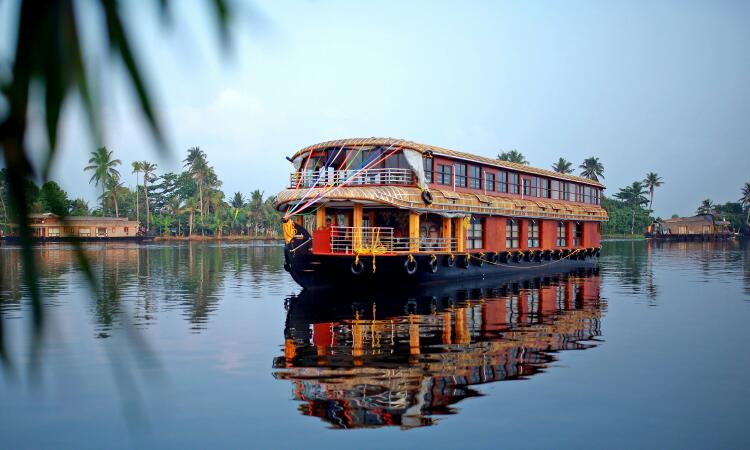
pixel 51 226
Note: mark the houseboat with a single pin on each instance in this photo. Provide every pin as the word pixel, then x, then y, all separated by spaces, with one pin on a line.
pixel 381 211
pixel 703 227
pixel 49 227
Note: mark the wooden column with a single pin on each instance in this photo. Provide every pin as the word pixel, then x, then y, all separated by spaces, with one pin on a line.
pixel 447 233
pixel 460 234
pixel 413 232
pixel 357 219
pixel 320 218
pixel 357 224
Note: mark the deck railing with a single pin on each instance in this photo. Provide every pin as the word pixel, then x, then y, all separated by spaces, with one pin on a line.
pixel 366 240
pixel 331 177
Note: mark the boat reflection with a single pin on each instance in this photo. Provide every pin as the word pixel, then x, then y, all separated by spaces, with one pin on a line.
pixel 402 358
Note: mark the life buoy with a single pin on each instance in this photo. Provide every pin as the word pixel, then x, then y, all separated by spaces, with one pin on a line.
pixel 598 251
pixel 433 264
pixel 410 265
pixel 427 197
pixel 357 267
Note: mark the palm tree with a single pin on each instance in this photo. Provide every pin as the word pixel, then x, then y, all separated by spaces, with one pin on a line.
pixel 137 169
pixel 255 207
pixel 237 203
pixel 513 156
pixel 103 167
pixel 189 208
pixel 592 168
pixel 148 169
pixel 174 208
pixel 651 182
pixel 563 166
pixel 198 168
pixel 745 201
pixel 706 207
pixel 633 195
pixel 114 185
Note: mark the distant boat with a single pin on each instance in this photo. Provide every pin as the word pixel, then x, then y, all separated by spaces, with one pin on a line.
pixel 394 211
pixel 702 227
pixel 49 227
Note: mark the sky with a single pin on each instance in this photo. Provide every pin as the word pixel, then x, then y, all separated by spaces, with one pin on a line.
pixel 646 86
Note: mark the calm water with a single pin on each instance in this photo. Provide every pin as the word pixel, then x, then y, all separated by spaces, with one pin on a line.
pixel 204 346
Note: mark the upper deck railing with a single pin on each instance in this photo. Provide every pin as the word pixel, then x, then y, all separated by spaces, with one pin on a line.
pixel 366 240
pixel 331 177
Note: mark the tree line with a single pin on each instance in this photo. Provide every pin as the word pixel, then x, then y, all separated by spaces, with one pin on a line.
pixel 187 203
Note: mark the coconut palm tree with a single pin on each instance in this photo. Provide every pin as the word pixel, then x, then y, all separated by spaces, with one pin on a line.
pixel 198 167
pixel 513 156
pixel 103 167
pixel 255 208
pixel 190 208
pixel 114 186
pixel 563 166
pixel 706 207
pixel 745 201
pixel 175 208
pixel 651 182
pixel 591 168
pixel 148 169
pixel 137 169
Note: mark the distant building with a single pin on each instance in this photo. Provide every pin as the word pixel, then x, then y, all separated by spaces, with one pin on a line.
pixel 48 225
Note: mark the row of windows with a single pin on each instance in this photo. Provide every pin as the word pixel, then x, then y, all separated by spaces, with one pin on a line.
pixel 469 175
pixel 512 234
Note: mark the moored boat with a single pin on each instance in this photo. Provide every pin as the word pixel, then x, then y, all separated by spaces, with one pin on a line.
pixel 381 210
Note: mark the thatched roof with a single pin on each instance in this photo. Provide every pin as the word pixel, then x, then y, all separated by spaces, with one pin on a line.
pixel 452 202
pixel 439 151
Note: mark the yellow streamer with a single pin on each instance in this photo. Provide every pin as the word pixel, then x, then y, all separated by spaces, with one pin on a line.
pixel 289 230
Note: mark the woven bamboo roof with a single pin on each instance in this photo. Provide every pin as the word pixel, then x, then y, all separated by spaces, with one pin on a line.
pixel 401 143
pixel 452 202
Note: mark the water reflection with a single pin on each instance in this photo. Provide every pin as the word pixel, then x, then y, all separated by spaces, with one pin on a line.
pixel 139 281
pixel 402 358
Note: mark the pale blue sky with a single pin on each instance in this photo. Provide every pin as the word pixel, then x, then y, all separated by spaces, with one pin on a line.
pixel 646 86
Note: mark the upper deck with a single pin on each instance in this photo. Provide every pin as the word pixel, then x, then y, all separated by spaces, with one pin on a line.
pixel 396 162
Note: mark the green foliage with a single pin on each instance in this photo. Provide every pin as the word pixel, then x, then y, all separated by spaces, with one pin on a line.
pixel 54 199
pixel 633 195
pixel 79 207
pixel 591 168
pixel 513 156
pixel 625 218
pixel 563 166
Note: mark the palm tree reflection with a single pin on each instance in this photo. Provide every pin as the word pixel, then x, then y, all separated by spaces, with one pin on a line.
pixel 391 359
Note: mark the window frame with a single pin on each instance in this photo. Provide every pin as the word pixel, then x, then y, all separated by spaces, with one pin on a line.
pixel 460 174
pixel 562 238
pixel 475 233
pixel 512 233
pixel 475 182
pixel 514 183
pixel 489 181
pixel 533 237
pixel 445 178
pixel 428 173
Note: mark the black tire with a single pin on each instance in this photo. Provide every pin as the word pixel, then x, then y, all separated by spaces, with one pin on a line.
pixel 450 261
pixel 427 197
pixel 357 267
pixel 433 265
pixel 411 266
pixel 464 262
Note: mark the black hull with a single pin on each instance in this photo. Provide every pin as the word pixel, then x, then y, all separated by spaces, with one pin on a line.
pixel 324 271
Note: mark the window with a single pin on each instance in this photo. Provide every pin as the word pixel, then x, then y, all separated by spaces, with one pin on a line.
pixel 533 234
pixel 502 181
pixel 587 194
pixel 489 181
pixel 579 193
pixel 84 231
pixel 544 188
pixel 54 232
pixel 555 194
pixel 427 163
pixel 475 177
pixel 460 174
pixel 561 234
pixel 101 231
pixel 514 184
pixel 578 237
pixel 511 234
pixel 565 195
pixel 526 187
pixel 535 186
pixel 572 192
pixel 444 174
pixel 474 233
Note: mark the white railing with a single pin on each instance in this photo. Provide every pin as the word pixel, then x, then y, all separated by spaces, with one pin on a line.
pixel 331 177
pixel 365 240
